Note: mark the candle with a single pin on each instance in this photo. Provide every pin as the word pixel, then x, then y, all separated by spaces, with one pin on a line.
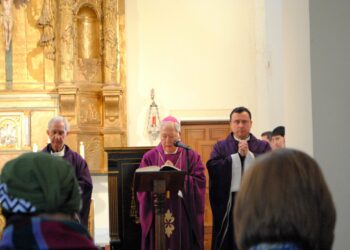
pixel 35 148
pixel 153 120
pixel 82 150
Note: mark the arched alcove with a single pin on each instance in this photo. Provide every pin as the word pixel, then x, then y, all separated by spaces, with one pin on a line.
pixel 88 33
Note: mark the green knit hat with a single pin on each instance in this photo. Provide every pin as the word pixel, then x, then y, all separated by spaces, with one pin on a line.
pixel 39 183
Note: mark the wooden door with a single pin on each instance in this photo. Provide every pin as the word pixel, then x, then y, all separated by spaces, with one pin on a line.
pixel 201 136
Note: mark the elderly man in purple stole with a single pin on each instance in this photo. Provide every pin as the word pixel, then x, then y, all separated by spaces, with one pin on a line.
pixel 178 212
pixel 228 161
pixel 58 128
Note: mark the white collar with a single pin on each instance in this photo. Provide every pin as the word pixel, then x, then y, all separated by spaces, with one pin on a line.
pixel 165 152
pixel 239 140
pixel 59 153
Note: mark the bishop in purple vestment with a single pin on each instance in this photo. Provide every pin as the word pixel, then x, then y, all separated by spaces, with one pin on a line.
pixel 178 211
pixel 57 131
pixel 228 160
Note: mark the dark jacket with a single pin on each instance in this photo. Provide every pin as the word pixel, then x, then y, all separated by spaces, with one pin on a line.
pixel 220 174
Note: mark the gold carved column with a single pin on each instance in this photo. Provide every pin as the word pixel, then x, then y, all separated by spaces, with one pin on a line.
pixel 113 91
pixel 64 65
pixel 65 42
pixel 89 75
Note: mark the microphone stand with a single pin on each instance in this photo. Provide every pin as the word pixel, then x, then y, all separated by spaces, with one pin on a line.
pixel 190 218
pixel 189 213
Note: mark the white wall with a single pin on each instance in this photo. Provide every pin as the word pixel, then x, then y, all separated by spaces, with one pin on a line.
pixel 198 55
pixel 272 93
pixel 288 71
pixel 204 58
pixel 297 112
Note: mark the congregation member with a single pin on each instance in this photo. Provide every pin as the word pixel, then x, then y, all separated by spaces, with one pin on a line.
pixel 179 232
pixel 266 136
pixel 228 161
pixel 57 130
pixel 284 203
pixel 278 139
pixel 39 197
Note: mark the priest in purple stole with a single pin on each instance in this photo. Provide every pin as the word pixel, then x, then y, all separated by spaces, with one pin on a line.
pixel 228 161
pixel 178 211
pixel 58 129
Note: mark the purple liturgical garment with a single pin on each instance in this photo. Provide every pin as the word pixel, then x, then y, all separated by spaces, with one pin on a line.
pixel 220 175
pixel 177 227
pixel 82 173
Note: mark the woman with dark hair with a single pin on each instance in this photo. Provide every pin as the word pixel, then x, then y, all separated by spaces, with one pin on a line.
pixel 284 203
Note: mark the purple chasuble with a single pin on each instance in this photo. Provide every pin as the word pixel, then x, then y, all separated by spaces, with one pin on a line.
pixel 220 174
pixel 177 228
pixel 82 173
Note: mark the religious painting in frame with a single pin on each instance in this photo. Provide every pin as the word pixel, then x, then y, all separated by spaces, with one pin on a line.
pixel 11 130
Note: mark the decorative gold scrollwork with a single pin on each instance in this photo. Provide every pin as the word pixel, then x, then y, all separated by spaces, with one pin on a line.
pixel 169 223
pixel 47 23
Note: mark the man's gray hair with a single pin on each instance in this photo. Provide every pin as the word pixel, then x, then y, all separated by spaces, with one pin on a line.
pixel 59 119
pixel 176 125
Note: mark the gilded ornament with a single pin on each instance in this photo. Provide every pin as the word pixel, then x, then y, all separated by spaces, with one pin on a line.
pixel 89 67
pixel 47 23
pixel 10 131
pixel 93 151
pixel 69 76
pixel 169 223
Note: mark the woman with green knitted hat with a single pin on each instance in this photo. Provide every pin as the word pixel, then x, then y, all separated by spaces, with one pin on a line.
pixel 40 197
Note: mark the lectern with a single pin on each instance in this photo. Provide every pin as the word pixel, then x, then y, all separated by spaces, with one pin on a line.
pixel 159 182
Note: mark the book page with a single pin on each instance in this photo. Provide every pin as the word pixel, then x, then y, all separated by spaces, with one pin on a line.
pixel 169 168
pixel 148 169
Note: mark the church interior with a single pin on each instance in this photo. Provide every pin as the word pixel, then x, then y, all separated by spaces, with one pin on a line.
pixel 114 68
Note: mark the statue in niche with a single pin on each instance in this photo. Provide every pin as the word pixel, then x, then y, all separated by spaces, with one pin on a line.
pixel 8 19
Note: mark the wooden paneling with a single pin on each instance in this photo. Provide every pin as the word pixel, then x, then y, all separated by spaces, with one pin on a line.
pixel 124 225
pixel 201 136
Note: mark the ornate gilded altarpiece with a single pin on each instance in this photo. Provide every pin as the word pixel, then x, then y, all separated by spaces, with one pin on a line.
pixel 66 57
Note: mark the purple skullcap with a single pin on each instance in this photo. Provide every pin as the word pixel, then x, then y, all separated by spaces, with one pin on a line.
pixel 170 119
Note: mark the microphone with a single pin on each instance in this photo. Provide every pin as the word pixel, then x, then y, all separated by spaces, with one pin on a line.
pixel 179 144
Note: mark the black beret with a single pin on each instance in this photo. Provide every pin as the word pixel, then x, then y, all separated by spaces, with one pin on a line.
pixel 278 131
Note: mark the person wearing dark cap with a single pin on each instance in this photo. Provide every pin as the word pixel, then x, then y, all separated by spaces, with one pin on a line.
pixel 266 136
pixel 39 196
pixel 278 138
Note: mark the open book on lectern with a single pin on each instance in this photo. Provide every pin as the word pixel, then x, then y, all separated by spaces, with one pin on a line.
pixel 145 177
pixel 158 168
